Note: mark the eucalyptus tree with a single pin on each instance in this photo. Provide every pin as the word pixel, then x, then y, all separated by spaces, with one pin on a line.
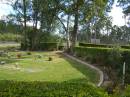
pixel 22 11
pixel 89 11
pixel 82 13
pixel 125 4
pixel 64 16
pixel 44 14
pixel 46 10
pixel 49 12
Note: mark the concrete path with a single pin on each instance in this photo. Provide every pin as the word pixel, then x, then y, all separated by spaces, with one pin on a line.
pixel 91 66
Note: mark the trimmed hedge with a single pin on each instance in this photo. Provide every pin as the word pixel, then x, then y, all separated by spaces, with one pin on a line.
pixel 50 89
pixel 10 37
pixel 108 57
pixel 9 48
pixel 48 46
pixel 102 45
pixel 53 89
pixel 92 54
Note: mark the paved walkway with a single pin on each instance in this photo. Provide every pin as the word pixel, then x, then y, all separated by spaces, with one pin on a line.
pixel 91 66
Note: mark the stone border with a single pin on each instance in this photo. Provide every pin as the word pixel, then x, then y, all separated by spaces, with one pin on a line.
pixel 91 66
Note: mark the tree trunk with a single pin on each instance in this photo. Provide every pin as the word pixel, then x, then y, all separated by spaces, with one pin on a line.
pixel 68 34
pixel 35 23
pixel 24 9
pixel 24 41
pixel 67 31
pixel 75 29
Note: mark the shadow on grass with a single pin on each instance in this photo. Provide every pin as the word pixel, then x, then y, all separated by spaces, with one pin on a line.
pixel 90 74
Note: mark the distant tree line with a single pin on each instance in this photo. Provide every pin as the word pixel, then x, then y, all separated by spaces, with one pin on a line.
pixel 75 20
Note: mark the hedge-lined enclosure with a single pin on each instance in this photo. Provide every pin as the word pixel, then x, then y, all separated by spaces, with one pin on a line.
pixel 49 89
pixel 102 45
pixel 111 58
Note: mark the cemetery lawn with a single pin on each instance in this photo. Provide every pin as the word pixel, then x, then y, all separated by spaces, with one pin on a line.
pixel 36 67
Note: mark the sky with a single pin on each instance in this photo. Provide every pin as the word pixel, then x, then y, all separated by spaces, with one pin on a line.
pixel 116 13
pixel 5 10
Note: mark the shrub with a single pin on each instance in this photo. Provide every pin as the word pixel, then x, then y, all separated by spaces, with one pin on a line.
pixel 60 47
pixel 49 89
pixel 48 46
pixel 125 46
pixel 94 45
pixel 50 59
pixel 10 37
pixel 110 57
pixel 29 53
pixel 9 48
pixel 19 55
pixel 114 57
pixel 127 92
pixel 122 92
pixel 94 52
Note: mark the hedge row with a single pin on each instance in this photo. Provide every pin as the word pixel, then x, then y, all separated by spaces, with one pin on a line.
pixel 9 48
pixel 104 53
pixel 10 37
pixel 48 89
pixel 48 46
pixel 93 54
pixel 102 45
pixel 109 57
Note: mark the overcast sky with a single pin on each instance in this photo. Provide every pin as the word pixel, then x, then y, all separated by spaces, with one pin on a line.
pixel 116 13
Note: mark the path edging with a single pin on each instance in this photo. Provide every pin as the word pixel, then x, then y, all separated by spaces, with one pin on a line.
pixel 91 66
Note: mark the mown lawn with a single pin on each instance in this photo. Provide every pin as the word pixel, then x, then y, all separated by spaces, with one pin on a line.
pixel 36 67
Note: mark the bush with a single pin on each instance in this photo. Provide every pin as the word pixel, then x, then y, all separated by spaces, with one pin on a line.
pixel 109 57
pixel 93 52
pixel 60 47
pixel 9 48
pixel 29 53
pixel 50 59
pixel 122 92
pixel 102 45
pixel 49 89
pixel 94 45
pixel 48 46
pixel 19 55
pixel 10 37
pixel 127 92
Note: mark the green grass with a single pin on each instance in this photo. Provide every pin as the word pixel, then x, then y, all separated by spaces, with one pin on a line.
pixel 32 68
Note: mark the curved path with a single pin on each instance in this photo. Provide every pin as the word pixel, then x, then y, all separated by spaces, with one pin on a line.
pixel 91 66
